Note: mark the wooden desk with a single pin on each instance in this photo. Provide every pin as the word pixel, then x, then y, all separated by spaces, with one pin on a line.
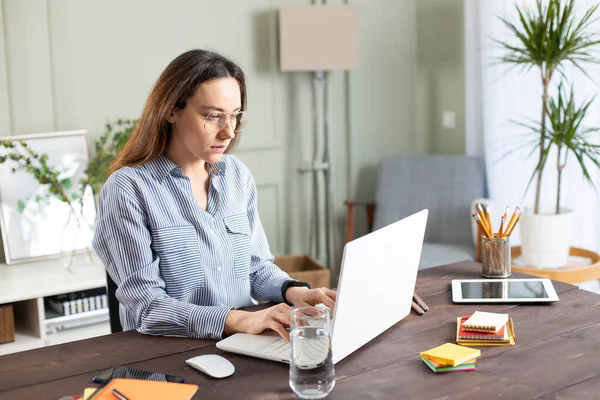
pixel 556 356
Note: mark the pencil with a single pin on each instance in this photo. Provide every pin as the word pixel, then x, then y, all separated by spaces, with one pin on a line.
pixel 515 224
pixel 418 309
pixel 511 222
pixel 488 215
pixel 481 215
pixel 420 302
pixel 501 225
pixel 502 221
pixel 482 226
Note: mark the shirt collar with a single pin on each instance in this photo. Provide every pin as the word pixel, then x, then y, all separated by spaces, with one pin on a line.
pixel 163 166
pixel 217 168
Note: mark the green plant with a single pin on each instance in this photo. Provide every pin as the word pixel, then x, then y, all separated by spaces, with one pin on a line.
pixel 26 159
pixel 547 38
pixel 106 149
pixel 567 133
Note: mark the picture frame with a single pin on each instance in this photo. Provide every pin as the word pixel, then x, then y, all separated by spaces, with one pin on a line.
pixel 35 225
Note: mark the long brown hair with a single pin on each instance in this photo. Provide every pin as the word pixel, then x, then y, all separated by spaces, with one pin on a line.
pixel 176 84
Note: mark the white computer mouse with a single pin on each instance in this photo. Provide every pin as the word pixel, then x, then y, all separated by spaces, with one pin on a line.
pixel 212 365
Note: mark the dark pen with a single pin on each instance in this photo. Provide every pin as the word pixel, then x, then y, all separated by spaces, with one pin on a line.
pixel 119 395
pixel 420 302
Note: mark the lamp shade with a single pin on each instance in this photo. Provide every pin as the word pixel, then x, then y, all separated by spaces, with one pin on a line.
pixel 318 37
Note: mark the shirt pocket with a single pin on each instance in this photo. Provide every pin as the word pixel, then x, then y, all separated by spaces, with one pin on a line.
pixel 180 263
pixel 238 230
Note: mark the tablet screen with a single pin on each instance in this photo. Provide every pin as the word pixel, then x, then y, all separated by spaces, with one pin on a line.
pixel 504 290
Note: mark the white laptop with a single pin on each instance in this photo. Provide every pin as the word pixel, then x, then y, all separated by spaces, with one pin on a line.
pixel 375 291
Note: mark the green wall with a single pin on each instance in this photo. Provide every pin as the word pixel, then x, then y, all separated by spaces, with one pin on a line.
pixel 68 64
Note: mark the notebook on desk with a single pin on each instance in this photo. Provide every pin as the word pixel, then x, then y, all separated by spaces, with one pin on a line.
pixel 482 321
pixel 147 390
pixel 375 291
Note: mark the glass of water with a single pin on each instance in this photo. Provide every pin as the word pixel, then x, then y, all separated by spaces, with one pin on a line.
pixel 312 375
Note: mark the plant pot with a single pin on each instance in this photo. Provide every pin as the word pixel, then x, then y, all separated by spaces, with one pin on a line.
pixel 546 237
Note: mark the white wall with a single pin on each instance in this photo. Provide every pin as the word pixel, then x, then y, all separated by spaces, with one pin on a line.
pixel 71 64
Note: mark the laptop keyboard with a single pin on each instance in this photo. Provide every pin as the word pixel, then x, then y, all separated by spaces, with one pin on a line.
pixel 311 352
pixel 279 348
pixel 311 349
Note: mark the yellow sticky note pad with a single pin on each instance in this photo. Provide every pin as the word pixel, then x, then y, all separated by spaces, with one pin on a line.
pixel 451 354
pixel 87 393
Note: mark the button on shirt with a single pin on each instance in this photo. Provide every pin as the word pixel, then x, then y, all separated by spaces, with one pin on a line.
pixel 180 269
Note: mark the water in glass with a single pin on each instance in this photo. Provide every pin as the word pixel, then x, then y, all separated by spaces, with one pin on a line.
pixel 312 374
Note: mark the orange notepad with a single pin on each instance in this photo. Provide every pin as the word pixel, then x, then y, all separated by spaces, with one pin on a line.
pixel 136 389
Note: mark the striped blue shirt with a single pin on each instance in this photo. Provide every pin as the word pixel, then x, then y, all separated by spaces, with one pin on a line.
pixel 180 269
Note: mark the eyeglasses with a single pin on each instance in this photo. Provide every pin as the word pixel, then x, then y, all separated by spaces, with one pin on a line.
pixel 214 122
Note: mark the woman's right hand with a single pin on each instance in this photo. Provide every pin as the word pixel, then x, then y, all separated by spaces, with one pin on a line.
pixel 276 318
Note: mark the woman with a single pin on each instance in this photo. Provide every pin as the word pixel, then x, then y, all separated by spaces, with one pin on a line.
pixel 177 227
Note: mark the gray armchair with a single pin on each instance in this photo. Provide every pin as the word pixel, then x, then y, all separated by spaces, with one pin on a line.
pixel 444 184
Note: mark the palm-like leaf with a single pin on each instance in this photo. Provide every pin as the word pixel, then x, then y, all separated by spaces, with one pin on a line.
pixel 566 130
pixel 549 36
pixel 534 127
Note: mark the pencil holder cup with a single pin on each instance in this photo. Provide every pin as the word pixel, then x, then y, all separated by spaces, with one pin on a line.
pixel 495 257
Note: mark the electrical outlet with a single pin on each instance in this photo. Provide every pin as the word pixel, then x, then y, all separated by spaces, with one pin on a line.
pixel 449 120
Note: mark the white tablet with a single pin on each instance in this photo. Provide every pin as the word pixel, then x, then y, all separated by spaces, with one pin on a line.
pixel 532 290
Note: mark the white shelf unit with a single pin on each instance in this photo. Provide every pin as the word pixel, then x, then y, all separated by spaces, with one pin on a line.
pixel 25 286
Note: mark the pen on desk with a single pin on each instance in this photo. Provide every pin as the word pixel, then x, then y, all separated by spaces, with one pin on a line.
pixel 119 395
pixel 418 309
pixel 420 302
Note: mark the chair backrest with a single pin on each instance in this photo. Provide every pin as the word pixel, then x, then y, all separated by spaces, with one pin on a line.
pixel 113 305
pixel 444 184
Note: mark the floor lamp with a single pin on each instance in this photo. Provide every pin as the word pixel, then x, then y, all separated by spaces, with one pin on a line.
pixel 320 39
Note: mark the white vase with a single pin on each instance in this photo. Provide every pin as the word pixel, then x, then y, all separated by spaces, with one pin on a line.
pixel 546 237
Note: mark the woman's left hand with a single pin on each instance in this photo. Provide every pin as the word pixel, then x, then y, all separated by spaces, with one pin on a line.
pixel 302 297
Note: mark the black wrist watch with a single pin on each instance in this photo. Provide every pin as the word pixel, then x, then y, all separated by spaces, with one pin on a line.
pixel 288 284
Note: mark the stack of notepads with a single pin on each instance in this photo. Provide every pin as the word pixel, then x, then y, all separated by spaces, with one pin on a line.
pixel 450 357
pixel 485 329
